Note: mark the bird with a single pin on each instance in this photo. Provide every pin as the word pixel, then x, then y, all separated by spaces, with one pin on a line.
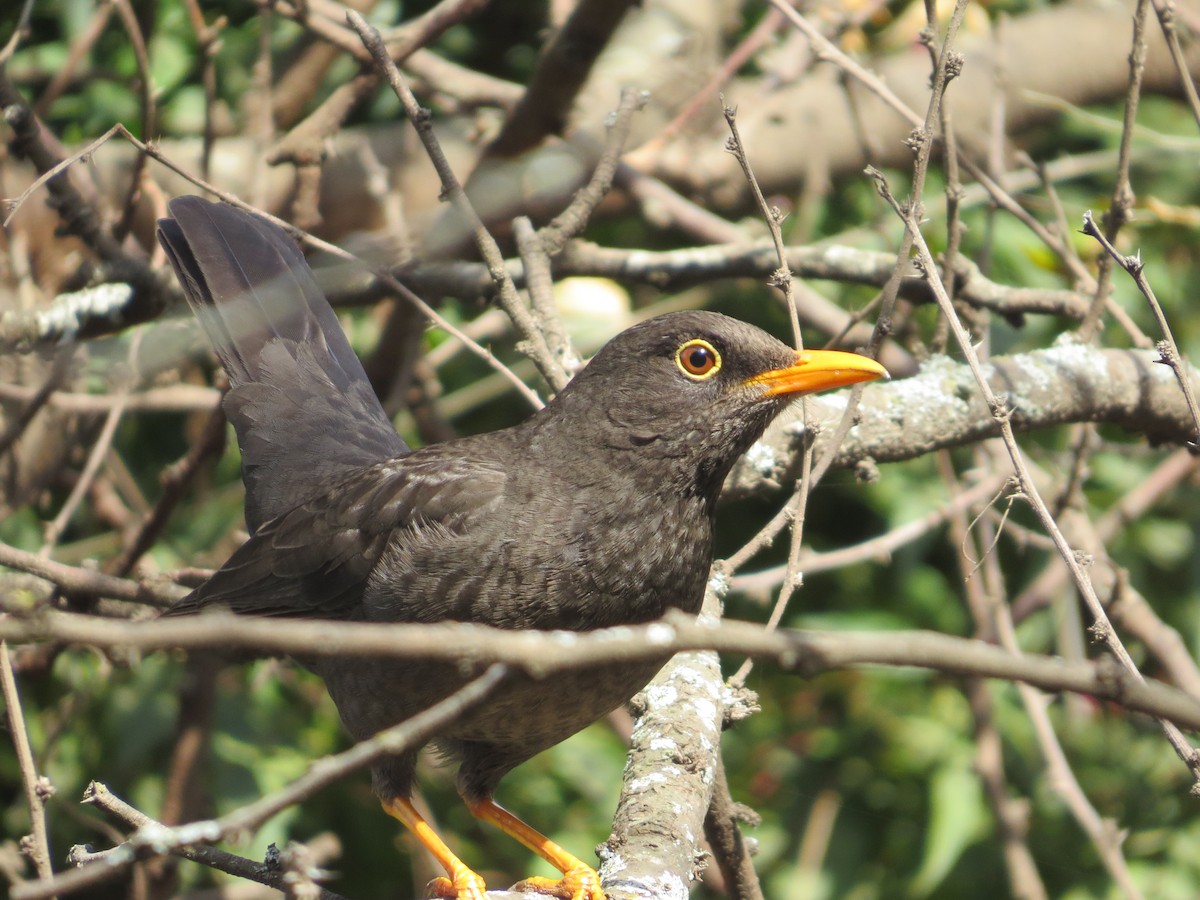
pixel 597 510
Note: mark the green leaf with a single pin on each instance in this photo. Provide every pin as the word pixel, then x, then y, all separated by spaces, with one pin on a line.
pixel 957 818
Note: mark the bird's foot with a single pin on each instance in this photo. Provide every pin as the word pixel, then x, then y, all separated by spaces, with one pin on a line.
pixel 579 883
pixel 465 886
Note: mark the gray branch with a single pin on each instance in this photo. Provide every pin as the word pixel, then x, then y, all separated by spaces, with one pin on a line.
pixel 940 407
pixel 655 851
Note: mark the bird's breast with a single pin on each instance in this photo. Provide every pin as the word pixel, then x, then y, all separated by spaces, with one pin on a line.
pixel 633 561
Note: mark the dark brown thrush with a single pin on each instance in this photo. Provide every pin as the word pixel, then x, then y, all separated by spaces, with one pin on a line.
pixel 596 511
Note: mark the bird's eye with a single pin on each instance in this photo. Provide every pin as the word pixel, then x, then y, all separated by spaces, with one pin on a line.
pixel 698 359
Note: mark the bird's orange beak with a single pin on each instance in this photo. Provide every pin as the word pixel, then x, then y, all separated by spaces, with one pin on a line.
pixel 818 370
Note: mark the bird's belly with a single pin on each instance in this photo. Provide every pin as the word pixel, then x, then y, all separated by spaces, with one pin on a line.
pixel 545 711
pixel 534 713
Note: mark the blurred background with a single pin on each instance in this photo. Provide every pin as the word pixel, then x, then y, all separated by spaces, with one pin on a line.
pixel 863 783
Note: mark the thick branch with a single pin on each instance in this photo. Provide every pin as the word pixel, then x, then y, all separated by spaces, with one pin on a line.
pixel 941 407
pixel 655 847
pixel 671 270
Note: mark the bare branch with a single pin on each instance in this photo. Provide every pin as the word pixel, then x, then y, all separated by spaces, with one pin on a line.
pixel 542 654
pixel 1167 348
pixel 535 341
pixel 152 839
pixel 37 787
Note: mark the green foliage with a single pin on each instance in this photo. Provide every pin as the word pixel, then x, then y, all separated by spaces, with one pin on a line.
pixel 884 760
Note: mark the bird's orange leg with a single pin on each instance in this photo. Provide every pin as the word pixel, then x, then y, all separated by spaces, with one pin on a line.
pixel 579 882
pixel 462 883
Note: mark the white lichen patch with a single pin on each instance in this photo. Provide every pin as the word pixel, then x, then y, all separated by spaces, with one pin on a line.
pixel 762 459
pixel 664 886
pixel 207 831
pixel 718 585
pixel 660 634
pixel 1039 373
pixel 647 781
pixel 1091 361
pixel 705 709
pixel 690 676
pixel 1068 341
pixel 664 744
pixel 614 864
pixel 660 695
pixel 155 835
pixel 935 391
pixel 836 403
pixel 107 301
pixel 621 634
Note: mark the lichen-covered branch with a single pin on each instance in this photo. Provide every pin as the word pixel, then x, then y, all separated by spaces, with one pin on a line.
pixel 940 407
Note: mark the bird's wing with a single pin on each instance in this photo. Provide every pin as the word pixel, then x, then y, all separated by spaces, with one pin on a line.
pixel 319 559
pixel 304 411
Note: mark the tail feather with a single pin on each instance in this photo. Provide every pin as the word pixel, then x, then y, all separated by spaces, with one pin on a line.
pixel 300 402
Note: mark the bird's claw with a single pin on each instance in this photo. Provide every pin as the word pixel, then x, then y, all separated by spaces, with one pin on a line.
pixel 465 886
pixel 582 883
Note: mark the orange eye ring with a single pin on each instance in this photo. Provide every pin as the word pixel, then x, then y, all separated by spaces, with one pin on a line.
pixel 698 359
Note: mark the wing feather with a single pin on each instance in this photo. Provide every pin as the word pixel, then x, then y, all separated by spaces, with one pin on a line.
pixel 317 559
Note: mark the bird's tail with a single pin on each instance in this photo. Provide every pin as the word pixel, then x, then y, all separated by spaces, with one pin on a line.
pixel 303 409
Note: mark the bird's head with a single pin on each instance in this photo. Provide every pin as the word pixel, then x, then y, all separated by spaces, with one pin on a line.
pixel 695 390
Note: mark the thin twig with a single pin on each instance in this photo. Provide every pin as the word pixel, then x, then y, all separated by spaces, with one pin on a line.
pixel 208 43
pixel 662 206
pixel 827 50
pixel 1167 348
pixel 539 282
pixel 99 795
pixel 1169 23
pixel 783 280
pixel 989 748
pixel 79 580
pixel 763 539
pixel 157 841
pixel 19 33
pixel 1128 508
pixel 731 850
pixel 1103 834
pixel 534 341
pixel 1101 629
pixel 384 276
pixel 1121 208
pixel 96 455
pixel 1012 813
pixel 54 379
pixel 571 221
pixel 176 398
pixel 149 119
pixel 37 787
pixel 877 549
pixel 175 480
pixel 792 571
